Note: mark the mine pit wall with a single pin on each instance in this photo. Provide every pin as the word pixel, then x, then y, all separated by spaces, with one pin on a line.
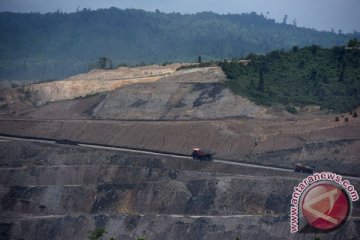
pixel 50 191
pixel 133 183
pixel 155 227
pixel 68 180
pixel 195 197
pixel 222 196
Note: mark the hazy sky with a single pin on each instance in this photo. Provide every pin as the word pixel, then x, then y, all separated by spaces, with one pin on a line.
pixel 319 14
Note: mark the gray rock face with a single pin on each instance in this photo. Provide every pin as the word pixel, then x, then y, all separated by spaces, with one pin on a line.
pixel 190 94
pixel 163 227
pixel 151 92
pixel 63 192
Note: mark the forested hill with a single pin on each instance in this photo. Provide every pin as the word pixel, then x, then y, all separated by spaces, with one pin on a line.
pixel 312 75
pixel 56 45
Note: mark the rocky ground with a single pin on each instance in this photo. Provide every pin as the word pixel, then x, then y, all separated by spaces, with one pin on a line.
pixel 149 93
pixel 49 191
pixel 52 191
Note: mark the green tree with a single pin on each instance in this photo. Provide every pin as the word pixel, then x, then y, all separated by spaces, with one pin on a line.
pixel 261 80
pixel 342 73
pixel 251 86
pixel 338 53
pixel 353 43
pixel 314 49
pixel 97 234
pixel 313 74
pixel 323 80
pixel 285 19
pixel 294 22
pixel 110 63
pixel 301 64
pixel 104 63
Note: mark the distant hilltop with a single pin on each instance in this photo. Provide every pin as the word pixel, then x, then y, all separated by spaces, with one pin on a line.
pixel 36 46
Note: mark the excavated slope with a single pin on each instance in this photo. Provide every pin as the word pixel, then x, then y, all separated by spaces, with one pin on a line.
pixel 96 81
pixel 191 94
pixel 63 192
pixel 329 145
pixel 50 191
pixel 151 92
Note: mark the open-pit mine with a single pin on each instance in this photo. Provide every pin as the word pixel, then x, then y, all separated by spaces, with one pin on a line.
pixel 111 150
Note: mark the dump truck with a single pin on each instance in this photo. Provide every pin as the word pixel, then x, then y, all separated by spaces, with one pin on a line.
pixel 202 154
pixel 304 169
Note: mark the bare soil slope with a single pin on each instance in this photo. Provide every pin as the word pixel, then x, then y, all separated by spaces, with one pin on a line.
pixel 151 92
pixel 190 94
pixel 96 81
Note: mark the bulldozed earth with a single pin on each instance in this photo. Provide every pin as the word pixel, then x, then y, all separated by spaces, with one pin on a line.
pixel 62 191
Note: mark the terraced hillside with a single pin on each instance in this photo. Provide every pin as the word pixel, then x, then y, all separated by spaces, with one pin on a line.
pixel 323 142
pixel 52 190
pixel 49 191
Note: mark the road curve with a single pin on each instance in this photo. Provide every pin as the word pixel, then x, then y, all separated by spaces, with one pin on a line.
pixel 122 149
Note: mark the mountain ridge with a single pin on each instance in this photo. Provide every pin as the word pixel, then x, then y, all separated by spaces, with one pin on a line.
pixel 56 45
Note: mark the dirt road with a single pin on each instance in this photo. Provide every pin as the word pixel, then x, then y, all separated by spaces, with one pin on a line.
pixel 114 148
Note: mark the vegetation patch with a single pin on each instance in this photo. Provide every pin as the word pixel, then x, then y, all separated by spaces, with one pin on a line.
pixel 312 75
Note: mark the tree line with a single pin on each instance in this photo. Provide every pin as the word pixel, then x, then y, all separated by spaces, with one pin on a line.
pixel 57 45
pixel 328 77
